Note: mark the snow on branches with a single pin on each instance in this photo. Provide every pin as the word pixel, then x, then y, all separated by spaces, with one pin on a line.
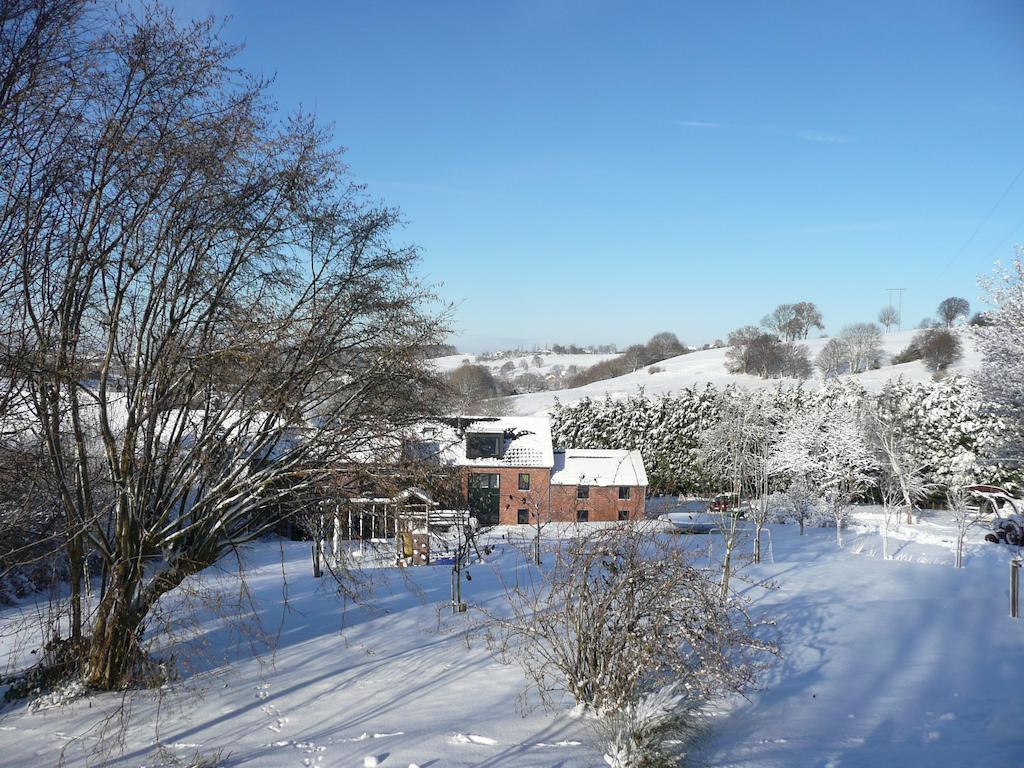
pixel 827 447
pixel 935 422
pixel 1002 342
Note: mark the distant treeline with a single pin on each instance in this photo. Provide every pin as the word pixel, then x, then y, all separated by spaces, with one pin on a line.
pixel 660 347
pixel 441 350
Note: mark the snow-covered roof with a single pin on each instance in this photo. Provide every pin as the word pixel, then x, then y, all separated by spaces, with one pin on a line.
pixel 578 466
pixel 526 441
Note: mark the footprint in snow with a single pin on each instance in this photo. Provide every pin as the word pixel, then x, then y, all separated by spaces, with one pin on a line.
pixel 471 738
pixel 278 724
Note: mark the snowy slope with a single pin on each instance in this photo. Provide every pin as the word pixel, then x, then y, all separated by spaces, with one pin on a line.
pixel 901 662
pixel 450 362
pixel 708 367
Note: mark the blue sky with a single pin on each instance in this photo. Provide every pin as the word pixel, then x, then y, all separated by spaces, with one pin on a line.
pixel 595 172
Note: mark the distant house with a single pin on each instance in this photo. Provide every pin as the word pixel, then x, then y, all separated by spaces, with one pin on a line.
pixel 511 473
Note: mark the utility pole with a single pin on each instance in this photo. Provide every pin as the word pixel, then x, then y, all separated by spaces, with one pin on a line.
pixel 899 308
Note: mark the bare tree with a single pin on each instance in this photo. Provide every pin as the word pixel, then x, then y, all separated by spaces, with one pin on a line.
pixel 832 358
pixel 783 322
pixel 471 385
pixel 796 361
pixel 903 475
pixel 793 321
pixel 763 423
pixel 863 343
pixel 939 347
pixel 952 308
pixel 889 316
pixel 664 345
pixel 807 316
pixel 726 450
pixel 213 317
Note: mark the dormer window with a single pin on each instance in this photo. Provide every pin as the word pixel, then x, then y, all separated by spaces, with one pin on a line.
pixel 483 446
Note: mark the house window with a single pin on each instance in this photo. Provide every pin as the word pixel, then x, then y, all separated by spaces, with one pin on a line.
pixel 524 481
pixel 523 517
pixel 483 480
pixel 623 493
pixel 582 515
pixel 582 491
pixel 623 514
pixel 483 446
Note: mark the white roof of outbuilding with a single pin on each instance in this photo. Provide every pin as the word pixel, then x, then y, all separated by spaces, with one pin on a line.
pixel 577 466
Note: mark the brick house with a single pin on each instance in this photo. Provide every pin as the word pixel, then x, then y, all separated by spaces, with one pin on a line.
pixel 511 473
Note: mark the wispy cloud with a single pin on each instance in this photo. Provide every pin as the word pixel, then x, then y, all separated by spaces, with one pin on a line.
pixel 699 124
pixel 804 134
pixel 822 138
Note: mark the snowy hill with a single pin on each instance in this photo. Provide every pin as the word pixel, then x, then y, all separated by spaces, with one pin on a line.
pixel 549 359
pixel 708 367
pixel 884 662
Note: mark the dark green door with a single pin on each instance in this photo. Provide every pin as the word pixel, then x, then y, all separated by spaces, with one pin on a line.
pixel 484 497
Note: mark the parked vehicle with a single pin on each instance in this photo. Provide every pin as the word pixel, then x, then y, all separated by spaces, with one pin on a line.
pixel 1008 514
pixel 726 502
pixel 690 516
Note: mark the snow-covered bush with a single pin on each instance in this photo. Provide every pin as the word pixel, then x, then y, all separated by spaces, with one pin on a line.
pixel 797 504
pixel 1002 342
pixel 646 733
pixel 620 614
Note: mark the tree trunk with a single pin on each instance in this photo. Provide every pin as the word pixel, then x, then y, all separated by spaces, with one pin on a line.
pixel 113 648
pixel 75 565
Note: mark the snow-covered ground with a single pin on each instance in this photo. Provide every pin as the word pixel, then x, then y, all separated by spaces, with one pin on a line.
pixel 549 359
pixel 708 367
pixel 900 662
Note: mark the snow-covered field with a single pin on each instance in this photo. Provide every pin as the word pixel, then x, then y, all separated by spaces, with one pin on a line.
pixel 549 360
pixel 899 662
pixel 708 367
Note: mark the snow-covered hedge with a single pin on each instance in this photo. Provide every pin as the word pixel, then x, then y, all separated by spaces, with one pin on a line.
pixel 942 419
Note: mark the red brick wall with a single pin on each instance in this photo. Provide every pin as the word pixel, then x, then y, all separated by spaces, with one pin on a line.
pixel 602 506
pixel 511 499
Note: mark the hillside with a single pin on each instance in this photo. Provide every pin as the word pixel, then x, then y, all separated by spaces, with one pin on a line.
pixel 550 360
pixel 708 367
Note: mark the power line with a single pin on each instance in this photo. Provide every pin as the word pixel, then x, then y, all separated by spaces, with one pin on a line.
pixel 1006 239
pixel 899 311
pixel 985 221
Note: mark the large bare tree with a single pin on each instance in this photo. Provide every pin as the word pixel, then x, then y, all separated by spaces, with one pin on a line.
pixel 204 316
